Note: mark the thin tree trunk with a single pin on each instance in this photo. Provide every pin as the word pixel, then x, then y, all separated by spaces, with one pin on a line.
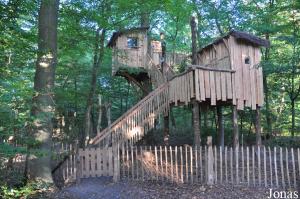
pixel 166 130
pixel 221 126
pixel 172 118
pixel 257 126
pixel 99 114
pixel 196 107
pixel 293 117
pixel 98 58
pixel 266 90
pixel 235 126
pixel 204 111
pixel 196 123
pixel 43 103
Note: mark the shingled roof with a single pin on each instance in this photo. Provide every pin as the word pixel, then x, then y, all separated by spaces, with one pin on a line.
pixel 113 39
pixel 243 36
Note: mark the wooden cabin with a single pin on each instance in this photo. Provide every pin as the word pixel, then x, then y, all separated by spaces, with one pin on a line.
pixel 130 50
pixel 239 52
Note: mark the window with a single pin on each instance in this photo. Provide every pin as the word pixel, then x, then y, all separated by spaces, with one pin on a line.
pixel 247 60
pixel 132 42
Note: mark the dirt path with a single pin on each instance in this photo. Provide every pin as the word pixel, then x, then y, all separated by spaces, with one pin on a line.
pixel 104 188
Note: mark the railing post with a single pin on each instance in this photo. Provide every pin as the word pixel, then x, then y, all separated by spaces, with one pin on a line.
pixel 210 162
pixel 116 155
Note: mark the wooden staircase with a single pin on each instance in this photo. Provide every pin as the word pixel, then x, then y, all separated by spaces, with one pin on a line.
pixel 137 121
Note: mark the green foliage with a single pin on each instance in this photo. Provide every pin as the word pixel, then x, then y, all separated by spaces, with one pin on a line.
pixel 31 190
pixel 78 22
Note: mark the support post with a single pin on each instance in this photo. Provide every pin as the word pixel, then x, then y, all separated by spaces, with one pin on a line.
pixel 235 127
pixel 210 162
pixel 166 130
pixel 220 126
pixel 196 123
pixel 108 116
pixel 258 126
pixel 78 166
pixel 163 60
pixel 196 112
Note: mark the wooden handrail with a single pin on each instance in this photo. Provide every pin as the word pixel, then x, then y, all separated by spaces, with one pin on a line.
pixel 210 68
pixel 105 132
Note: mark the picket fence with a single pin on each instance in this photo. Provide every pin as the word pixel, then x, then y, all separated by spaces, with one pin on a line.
pixel 251 166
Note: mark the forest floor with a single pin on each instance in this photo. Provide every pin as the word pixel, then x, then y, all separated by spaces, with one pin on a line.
pixel 104 188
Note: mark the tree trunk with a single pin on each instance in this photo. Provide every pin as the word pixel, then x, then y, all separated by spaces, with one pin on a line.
pixel 220 126
pixel 257 126
pixel 266 91
pixel 99 114
pixel 196 123
pixel 98 58
pixel 43 106
pixel 235 126
pixel 196 114
pixel 293 117
pixel 172 118
pixel 166 130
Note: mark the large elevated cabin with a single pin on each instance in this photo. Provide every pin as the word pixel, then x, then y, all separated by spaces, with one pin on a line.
pixel 236 56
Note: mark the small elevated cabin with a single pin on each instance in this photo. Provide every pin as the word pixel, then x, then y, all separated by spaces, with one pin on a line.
pixel 129 48
pixel 239 52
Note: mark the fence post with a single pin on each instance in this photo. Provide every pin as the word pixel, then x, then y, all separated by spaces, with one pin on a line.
pixel 78 166
pixel 210 162
pixel 116 155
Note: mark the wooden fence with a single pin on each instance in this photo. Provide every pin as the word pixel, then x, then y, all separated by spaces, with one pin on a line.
pixel 95 162
pixel 64 162
pixel 252 166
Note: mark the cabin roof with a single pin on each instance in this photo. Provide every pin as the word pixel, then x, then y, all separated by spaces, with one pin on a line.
pixel 243 36
pixel 113 39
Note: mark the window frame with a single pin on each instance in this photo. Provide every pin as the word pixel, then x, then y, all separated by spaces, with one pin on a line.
pixel 136 42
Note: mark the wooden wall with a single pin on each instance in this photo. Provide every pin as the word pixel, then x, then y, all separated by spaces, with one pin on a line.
pixel 248 77
pixel 215 56
pixel 130 57
pixel 231 53
pixel 207 84
pixel 203 84
pixel 171 58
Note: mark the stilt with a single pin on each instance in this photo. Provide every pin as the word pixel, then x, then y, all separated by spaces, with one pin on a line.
pixel 166 130
pixel 235 126
pixel 220 126
pixel 196 112
pixel 196 123
pixel 257 126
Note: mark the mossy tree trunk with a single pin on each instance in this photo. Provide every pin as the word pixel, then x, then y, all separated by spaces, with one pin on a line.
pixel 43 106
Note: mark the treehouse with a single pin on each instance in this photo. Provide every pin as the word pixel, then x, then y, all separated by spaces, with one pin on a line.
pixel 227 73
pixel 135 57
pixel 129 48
